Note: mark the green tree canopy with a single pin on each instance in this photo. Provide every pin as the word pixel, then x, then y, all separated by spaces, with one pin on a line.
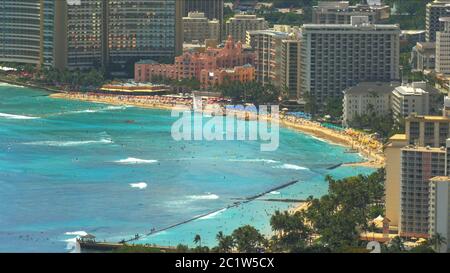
pixel 248 239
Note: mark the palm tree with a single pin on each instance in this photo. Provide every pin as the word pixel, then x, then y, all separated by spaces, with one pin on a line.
pixel 198 240
pixel 397 244
pixel 226 243
pixel 220 236
pixel 436 241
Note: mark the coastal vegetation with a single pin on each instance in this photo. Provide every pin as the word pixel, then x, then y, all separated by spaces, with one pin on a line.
pixel 66 79
pixel 250 92
pixel 384 125
pixel 331 223
pixel 183 85
pixel 409 14
pixel 73 79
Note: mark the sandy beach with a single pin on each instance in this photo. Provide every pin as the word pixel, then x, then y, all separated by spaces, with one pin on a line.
pixel 150 102
pixel 356 141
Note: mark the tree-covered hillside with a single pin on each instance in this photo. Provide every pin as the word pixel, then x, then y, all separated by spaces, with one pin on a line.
pixel 410 14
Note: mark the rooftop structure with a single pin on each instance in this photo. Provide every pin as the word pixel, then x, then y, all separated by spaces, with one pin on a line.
pixel 340 12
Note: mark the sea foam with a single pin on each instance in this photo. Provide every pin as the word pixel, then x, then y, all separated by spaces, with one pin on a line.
pixel 109 108
pixel 132 160
pixel 11 85
pixel 10 116
pixel 72 244
pixel 254 160
pixel 117 107
pixel 141 185
pixel 208 196
pixel 76 233
pixel 291 167
pixel 82 111
pixel 69 143
pixel 212 215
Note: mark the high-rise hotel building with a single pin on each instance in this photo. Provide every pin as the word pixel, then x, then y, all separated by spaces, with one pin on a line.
pixel 418 178
pixel 443 47
pixel 277 58
pixel 439 208
pixel 337 56
pixel 412 161
pixel 434 11
pixel 238 26
pixel 268 54
pixel 115 33
pixel 20 31
pixel 213 9
pixel 90 33
pixel 83 40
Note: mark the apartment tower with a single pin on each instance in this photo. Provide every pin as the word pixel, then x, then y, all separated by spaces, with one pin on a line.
pixel 268 46
pixel 443 48
pixel 84 34
pixel 434 11
pixel 241 23
pixel 412 160
pixel 20 31
pixel 335 57
pixel 213 9
pixel 196 27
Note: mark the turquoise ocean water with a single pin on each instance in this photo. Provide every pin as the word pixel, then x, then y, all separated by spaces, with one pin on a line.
pixel 69 167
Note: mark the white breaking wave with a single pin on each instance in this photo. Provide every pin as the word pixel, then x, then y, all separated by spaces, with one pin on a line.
pixel 254 160
pixel 76 233
pixel 291 167
pixel 141 185
pixel 10 116
pixel 212 215
pixel 69 143
pixel 132 160
pixel 117 107
pixel 11 85
pixel 72 244
pixel 275 192
pixel 204 197
pixel 82 111
pixel 320 139
pixel 109 108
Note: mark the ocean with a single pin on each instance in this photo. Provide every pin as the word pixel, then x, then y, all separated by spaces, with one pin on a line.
pixel 68 168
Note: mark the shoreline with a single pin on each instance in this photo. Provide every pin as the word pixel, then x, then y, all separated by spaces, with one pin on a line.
pixel 30 85
pixel 112 100
pixel 349 138
pixel 372 159
pixel 310 128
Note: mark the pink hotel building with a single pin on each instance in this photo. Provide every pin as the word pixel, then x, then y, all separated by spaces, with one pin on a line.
pixel 211 67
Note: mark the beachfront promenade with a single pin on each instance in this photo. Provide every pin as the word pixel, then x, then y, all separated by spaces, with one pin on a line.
pixel 356 141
